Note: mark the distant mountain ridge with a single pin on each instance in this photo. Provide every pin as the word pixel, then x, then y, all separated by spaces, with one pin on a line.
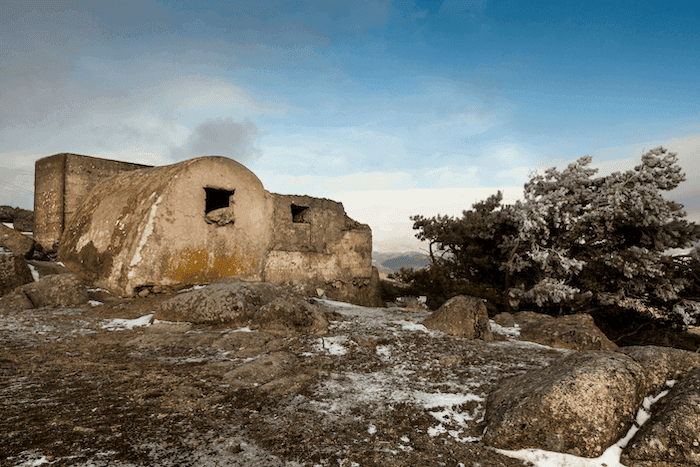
pixel 388 263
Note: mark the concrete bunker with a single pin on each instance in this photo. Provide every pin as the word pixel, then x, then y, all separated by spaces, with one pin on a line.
pixel 208 218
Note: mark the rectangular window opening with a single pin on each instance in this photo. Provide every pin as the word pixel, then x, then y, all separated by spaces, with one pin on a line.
pixel 299 214
pixel 216 199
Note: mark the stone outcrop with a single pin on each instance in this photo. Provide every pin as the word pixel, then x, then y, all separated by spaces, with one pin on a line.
pixel 585 402
pixel 217 303
pixel 672 434
pixel 580 405
pixel 15 241
pixel 662 364
pixel 14 271
pixel 55 290
pixel 462 316
pixel 286 315
pixel 573 332
pixel 264 306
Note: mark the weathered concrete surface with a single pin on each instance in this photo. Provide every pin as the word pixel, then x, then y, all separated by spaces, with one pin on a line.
pixel 13 272
pixel 209 218
pixel 314 241
pixel 673 432
pixel 573 332
pixel 462 316
pixel 61 182
pixel 580 405
pixel 147 227
pixel 16 241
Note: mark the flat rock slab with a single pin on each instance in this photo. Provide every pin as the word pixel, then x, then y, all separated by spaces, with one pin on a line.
pixel 673 432
pixel 263 306
pixel 580 405
pixel 285 315
pixel 573 332
pixel 218 303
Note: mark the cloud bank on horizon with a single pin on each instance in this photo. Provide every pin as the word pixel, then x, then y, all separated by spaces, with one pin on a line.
pixel 393 108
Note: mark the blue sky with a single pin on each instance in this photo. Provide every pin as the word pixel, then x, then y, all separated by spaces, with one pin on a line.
pixel 394 108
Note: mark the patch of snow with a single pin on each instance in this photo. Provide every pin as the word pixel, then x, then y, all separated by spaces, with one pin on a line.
pixel 411 326
pixel 504 330
pixel 34 462
pixel 245 329
pixel 339 304
pixel 35 273
pixel 97 289
pixel 372 429
pixel 159 321
pixel 60 264
pixel 95 303
pixel 384 351
pixel 431 401
pixel 195 287
pixel 434 431
pixel 332 345
pixel 119 324
pixel 9 224
pixel 449 414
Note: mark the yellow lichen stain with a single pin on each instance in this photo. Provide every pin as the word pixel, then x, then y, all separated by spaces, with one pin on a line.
pixel 192 266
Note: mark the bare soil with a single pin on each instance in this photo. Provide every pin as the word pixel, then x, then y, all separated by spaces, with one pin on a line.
pixel 75 393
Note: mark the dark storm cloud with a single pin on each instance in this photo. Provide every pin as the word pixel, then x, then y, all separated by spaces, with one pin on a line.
pixel 221 137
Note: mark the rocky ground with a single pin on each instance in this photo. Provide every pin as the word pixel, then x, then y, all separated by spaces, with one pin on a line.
pixel 80 387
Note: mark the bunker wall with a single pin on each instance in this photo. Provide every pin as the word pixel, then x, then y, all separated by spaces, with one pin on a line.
pixel 61 182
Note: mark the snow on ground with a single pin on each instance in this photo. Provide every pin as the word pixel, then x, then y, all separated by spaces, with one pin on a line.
pixel 194 287
pixel 455 399
pixel 454 395
pixel 119 324
pixel 503 330
pixel 35 273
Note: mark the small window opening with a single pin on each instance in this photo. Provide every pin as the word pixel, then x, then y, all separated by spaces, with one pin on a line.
pixel 217 199
pixel 299 214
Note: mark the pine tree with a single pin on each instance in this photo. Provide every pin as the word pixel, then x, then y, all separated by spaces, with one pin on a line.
pixel 577 240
